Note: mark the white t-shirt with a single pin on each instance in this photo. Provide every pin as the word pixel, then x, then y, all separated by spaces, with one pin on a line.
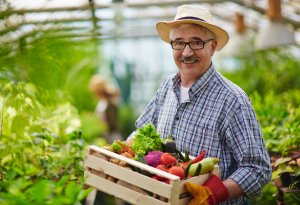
pixel 184 94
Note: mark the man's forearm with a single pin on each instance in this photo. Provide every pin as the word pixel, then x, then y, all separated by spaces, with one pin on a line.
pixel 233 188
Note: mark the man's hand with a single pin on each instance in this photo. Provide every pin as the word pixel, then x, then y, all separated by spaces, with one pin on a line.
pixel 233 188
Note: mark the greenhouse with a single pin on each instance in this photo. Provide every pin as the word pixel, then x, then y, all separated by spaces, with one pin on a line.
pixel 165 102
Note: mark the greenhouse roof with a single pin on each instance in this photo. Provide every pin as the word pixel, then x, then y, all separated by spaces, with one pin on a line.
pixel 110 19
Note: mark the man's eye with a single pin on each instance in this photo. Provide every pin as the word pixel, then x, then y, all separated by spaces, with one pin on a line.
pixel 197 43
pixel 178 43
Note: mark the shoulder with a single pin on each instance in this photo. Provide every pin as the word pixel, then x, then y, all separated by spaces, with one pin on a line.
pixel 167 84
pixel 168 81
pixel 231 91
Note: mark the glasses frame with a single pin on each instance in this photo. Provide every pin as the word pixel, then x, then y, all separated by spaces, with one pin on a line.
pixel 189 43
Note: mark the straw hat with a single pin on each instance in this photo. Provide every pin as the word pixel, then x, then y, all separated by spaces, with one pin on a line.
pixel 99 85
pixel 195 15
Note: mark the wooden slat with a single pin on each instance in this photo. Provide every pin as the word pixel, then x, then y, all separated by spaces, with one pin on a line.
pixel 174 199
pixel 129 176
pixel 120 191
pixel 135 163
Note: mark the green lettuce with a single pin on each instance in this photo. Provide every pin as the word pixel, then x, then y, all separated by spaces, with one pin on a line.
pixel 146 139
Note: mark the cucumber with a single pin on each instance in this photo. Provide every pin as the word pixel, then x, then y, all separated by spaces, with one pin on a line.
pixel 186 172
pixel 197 172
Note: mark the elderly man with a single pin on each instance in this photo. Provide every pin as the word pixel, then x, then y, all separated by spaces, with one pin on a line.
pixel 204 111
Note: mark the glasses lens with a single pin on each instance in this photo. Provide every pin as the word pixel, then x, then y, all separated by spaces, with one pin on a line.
pixel 196 45
pixel 178 45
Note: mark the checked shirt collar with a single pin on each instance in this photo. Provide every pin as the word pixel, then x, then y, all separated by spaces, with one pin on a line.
pixel 198 86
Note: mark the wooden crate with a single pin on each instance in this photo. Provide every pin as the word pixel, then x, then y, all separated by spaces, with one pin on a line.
pixel 132 186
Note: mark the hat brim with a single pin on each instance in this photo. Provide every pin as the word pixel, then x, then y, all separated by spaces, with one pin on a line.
pixel 164 27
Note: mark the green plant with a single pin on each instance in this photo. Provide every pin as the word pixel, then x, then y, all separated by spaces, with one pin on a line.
pixel 279 116
pixel 52 64
pixel 21 191
pixel 267 71
pixel 41 149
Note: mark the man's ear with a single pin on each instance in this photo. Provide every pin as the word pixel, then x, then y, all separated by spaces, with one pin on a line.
pixel 213 47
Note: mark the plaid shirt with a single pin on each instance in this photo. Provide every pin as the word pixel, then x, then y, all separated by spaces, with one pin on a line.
pixel 218 118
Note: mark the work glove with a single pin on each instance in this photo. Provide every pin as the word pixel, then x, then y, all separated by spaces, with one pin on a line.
pixel 211 192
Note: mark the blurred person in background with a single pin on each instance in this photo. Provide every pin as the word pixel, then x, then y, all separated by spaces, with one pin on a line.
pixel 108 96
pixel 202 110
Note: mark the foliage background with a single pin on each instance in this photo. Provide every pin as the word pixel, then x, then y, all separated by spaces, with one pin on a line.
pixel 47 117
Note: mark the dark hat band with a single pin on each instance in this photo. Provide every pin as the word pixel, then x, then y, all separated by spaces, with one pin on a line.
pixel 190 17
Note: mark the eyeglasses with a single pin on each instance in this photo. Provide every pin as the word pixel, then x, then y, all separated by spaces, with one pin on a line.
pixel 194 45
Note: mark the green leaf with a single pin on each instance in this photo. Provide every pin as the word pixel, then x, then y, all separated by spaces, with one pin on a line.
pixel 19 124
pixel 72 190
pixel 83 194
pixel 17 186
pixel 41 191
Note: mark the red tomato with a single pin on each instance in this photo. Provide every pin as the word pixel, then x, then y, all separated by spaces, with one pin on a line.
pixel 167 159
pixel 178 171
pixel 162 167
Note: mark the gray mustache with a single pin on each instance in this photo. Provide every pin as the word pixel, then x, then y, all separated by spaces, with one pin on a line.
pixel 187 59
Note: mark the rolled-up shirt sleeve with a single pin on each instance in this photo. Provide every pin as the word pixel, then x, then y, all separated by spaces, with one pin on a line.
pixel 248 148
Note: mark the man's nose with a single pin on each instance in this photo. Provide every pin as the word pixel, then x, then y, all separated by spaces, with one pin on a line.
pixel 187 51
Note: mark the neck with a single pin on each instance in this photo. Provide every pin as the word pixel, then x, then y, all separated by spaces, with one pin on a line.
pixel 187 83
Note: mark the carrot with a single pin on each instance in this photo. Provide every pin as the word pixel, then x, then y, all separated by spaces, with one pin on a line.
pixel 200 156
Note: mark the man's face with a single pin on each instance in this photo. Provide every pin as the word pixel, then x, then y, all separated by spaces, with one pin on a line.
pixel 193 63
